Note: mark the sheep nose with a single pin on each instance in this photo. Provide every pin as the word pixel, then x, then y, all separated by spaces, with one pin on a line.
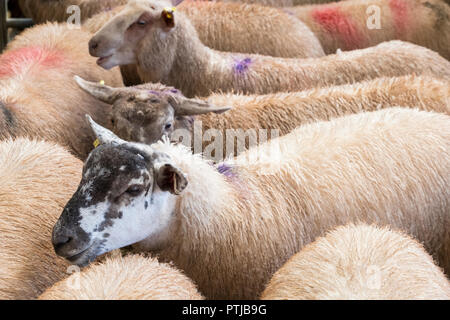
pixel 93 46
pixel 62 242
pixel 59 242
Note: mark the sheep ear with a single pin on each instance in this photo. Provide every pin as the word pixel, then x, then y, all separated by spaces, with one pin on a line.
pixel 103 135
pixel 98 90
pixel 191 107
pixel 168 16
pixel 170 178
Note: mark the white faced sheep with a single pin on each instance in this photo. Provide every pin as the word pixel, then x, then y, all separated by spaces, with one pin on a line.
pixel 147 112
pixel 132 277
pixel 230 227
pixel 38 97
pixel 236 28
pixel 166 49
pixel 355 24
pixel 37 179
pixel 360 262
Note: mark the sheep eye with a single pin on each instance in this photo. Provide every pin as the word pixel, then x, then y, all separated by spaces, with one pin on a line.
pixel 168 126
pixel 134 190
pixel 141 23
pixel 154 101
pixel 113 122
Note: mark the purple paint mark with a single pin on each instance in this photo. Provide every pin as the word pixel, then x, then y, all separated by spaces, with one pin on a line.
pixel 242 65
pixel 175 91
pixel 154 92
pixel 226 170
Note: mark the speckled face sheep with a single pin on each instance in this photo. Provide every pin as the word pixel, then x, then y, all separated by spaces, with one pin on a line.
pixel 244 218
pixel 355 24
pixel 132 277
pixel 147 112
pixel 166 49
pixel 360 262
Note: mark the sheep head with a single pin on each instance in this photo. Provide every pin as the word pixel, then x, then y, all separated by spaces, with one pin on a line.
pixel 117 42
pixel 127 194
pixel 148 112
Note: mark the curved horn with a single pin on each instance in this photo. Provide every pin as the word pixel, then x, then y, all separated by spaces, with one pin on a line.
pixel 102 92
pixel 191 107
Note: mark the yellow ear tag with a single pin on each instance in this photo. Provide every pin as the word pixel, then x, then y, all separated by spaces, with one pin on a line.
pixel 96 143
pixel 169 12
pixel 102 82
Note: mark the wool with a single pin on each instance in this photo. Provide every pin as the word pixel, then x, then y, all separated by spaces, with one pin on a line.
pixel 344 25
pixel 37 179
pixel 131 277
pixel 387 167
pixel 360 262
pixel 178 58
pixel 279 111
pixel 38 91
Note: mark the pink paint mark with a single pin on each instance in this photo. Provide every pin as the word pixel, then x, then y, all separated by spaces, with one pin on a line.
pixel 338 23
pixel 21 60
pixel 399 9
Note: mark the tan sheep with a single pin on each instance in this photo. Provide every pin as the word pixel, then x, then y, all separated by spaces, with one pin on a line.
pixel 355 24
pixel 132 277
pixel 147 112
pixel 360 262
pixel 37 179
pixel 38 97
pixel 230 227
pixel 169 51
pixel 235 28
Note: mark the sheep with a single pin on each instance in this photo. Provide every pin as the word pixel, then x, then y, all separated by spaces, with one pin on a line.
pixel 245 217
pixel 147 112
pixel 355 24
pixel 360 262
pixel 133 277
pixel 236 28
pixel 37 95
pixel 37 179
pixel 169 51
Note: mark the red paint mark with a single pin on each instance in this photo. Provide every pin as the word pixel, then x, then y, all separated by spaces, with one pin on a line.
pixel 21 60
pixel 399 9
pixel 338 23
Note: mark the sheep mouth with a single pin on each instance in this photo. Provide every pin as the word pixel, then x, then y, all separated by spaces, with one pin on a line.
pixel 102 61
pixel 84 257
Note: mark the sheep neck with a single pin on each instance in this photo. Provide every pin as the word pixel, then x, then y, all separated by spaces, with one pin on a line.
pixel 179 59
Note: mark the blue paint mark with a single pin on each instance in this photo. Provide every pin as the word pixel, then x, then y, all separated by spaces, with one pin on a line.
pixel 174 91
pixel 154 92
pixel 242 65
pixel 226 170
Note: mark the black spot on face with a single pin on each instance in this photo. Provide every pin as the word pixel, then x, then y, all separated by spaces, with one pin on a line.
pixel 146 205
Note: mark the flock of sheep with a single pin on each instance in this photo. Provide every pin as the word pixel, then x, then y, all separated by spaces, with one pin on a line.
pixel 350 201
